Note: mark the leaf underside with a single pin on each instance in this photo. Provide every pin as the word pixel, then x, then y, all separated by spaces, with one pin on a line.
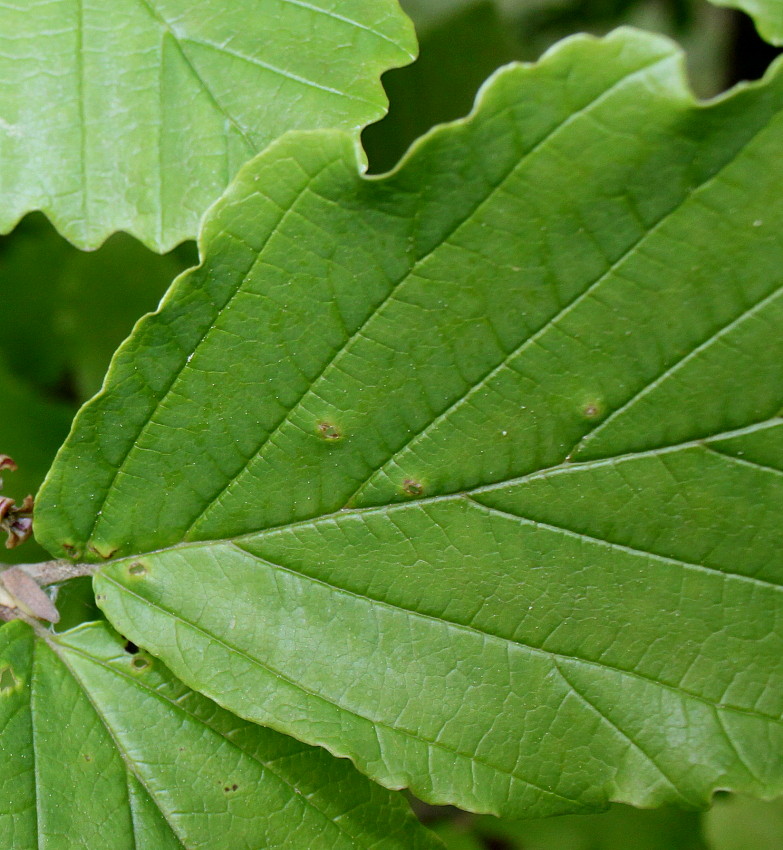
pixel 136 116
pixel 101 748
pixel 473 473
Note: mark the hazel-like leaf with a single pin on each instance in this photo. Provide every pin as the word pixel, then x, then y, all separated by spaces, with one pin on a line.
pixel 474 473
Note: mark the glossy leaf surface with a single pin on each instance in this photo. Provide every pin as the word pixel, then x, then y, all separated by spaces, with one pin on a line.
pixel 135 115
pixel 473 473
pixel 102 748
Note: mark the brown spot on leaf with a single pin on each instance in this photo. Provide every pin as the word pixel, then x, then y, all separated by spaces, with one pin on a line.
pixel 592 409
pixel 102 552
pixel 328 431
pixel 412 487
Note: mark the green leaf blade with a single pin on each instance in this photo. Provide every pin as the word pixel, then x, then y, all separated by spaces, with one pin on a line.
pixel 171 99
pixel 455 454
pixel 118 750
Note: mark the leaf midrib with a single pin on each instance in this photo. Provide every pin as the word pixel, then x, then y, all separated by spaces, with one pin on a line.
pixel 395 285
pixel 565 468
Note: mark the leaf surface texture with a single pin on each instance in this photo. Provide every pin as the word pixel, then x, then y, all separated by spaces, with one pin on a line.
pixel 102 748
pixel 134 115
pixel 473 473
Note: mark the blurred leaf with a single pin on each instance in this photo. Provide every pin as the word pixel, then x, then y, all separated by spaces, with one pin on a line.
pixel 458 836
pixel 137 119
pixel 75 601
pixel 742 823
pixel 455 58
pixel 72 309
pixel 621 828
pixel 31 264
pixel 31 431
pixel 768 15
pixel 462 42
pixel 101 295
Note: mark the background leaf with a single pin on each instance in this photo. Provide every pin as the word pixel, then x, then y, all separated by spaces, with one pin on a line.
pixel 768 15
pixel 72 309
pixel 441 85
pixel 105 748
pixel 31 430
pixel 660 829
pixel 473 473
pixel 137 120
pixel 737 823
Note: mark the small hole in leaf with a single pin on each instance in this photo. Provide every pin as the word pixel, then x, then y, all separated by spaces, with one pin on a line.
pixel 140 663
pixel 131 648
pixel 137 569
pixel 8 681
pixel 412 488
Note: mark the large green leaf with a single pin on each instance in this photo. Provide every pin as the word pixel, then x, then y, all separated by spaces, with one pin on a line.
pixel 134 116
pixel 101 748
pixel 474 473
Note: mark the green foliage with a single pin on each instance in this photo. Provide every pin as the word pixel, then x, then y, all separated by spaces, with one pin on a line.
pixel 138 119
pixel 618 829
pixel 738 823
pixel 551 527
pixel 470 473
pixel 104 748
pixel 768 15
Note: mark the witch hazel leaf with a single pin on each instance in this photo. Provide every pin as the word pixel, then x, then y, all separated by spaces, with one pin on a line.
pixel 138 119
pixel 103 748
pixel 472 472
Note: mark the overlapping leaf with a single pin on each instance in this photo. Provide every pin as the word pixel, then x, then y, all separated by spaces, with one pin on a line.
pixel 101 748
pixel 474 473
pixel 135 115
